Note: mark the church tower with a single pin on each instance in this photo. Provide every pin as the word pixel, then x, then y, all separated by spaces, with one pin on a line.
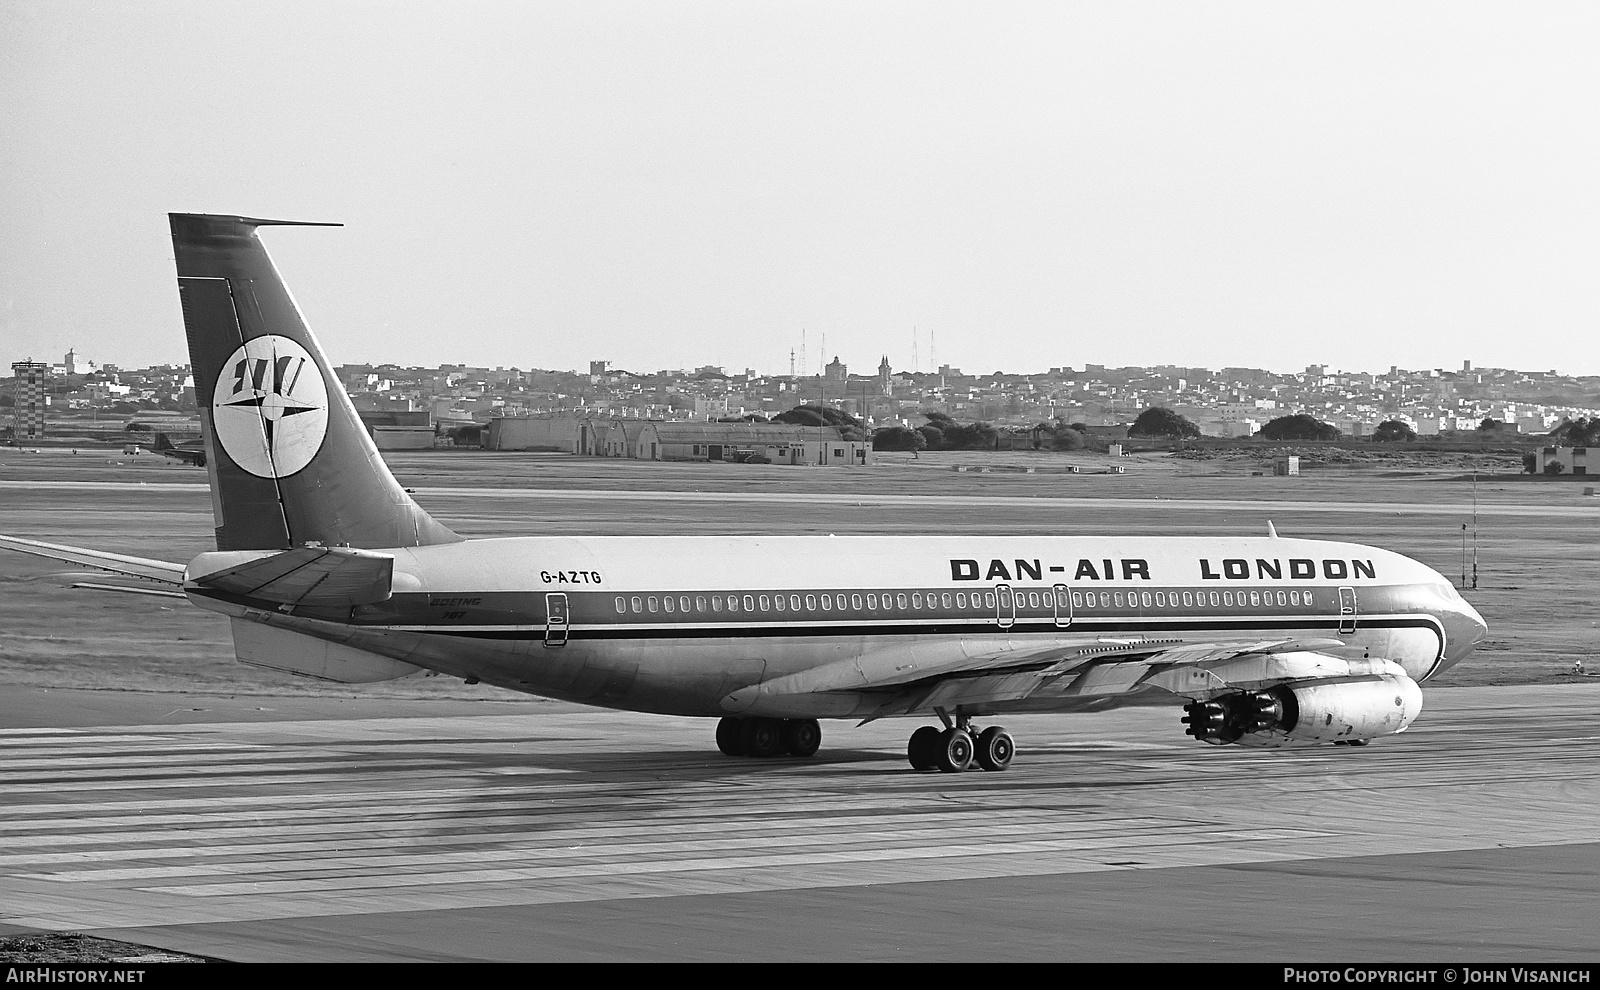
pixel 884 386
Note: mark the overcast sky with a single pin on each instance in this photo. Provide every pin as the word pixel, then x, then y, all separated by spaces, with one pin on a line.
pixel 670 184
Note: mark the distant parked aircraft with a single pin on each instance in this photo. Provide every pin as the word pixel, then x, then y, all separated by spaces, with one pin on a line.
pixel 189 452
pixel 326 567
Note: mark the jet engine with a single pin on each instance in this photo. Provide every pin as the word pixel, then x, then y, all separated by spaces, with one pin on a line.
pixel 1307 713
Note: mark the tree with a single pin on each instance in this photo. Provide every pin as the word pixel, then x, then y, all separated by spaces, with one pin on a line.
pixel 1159 421
pixel 1299 427
pixel 1391 430
pixel 1578 432
pixel 1058 436
pixel 898 438
pixel 1554 468
pixel 1530 462
pixel 849 427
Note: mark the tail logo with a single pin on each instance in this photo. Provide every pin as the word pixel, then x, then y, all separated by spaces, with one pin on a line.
pixel 270 407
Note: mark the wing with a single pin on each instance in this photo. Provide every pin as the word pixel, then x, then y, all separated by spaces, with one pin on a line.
pixel 159 571
pixel 976 673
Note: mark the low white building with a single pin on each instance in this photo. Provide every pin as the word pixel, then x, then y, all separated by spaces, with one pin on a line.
pixel 1573 460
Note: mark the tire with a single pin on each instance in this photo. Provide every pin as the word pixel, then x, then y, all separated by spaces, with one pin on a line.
pixel 761 737
pixel 923 749
pixel 996 749
pixel 728 733
pixel 801 736
pixel 955 750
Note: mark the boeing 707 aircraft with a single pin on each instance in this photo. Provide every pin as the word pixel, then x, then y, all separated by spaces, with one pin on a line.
pixel 326 567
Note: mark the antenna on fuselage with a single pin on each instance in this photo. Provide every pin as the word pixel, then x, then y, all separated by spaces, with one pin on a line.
pixel 1272 531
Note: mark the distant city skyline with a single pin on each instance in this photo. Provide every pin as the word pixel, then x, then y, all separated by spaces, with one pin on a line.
pixel 1245 184
pixel 690 368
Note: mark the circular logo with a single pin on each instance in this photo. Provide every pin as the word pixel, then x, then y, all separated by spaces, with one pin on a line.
pixel 270 407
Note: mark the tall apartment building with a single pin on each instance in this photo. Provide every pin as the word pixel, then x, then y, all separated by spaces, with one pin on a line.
pixel 31 379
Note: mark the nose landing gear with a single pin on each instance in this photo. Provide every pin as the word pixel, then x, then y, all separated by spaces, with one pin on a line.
pixel 954 749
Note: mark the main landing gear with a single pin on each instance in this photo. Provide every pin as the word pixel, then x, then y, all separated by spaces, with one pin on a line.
pixel 768 736
pixel 955 748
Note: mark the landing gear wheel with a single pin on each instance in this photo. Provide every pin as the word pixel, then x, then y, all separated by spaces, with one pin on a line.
pixel 801 736
pixel 923 749
pixel 996 749
pixel 728 732
pixel 955 750
pixel 761 737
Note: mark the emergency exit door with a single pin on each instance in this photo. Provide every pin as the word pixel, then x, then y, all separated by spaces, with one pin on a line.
pixel 1063 600
pixel 1005 606
pixel 1347 610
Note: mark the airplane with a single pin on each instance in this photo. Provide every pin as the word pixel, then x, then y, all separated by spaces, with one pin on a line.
pixel 189 452
pixel 326 567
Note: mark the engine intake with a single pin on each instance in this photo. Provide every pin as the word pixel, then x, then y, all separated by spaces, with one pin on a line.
pixel 1307 713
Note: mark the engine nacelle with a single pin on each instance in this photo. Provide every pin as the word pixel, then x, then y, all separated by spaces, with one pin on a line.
pixel 1308 713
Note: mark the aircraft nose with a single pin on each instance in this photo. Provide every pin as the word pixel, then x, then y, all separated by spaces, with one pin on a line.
pixel 1464 630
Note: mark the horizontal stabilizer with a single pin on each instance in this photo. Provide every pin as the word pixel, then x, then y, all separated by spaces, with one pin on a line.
pixel 116 563
pixel 338 577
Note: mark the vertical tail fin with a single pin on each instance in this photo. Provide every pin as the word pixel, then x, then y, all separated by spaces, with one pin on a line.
pixel 289 459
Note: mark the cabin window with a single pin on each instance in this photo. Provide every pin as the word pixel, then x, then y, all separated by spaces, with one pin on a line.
pixel 669 603
pixel 638 606
pixel 622 606
pixel 1077 600
pixel 855 602
pixel 811 603
pixel 946 602
pixel 733 603
pixel 900 600
pixel 1161 599
pixel 700 603
pixel 1281 600
pixel 961 599
pixel 683 603
pixel 1255 599
pixel 1033 599
pixel 1188 600
pixel 872 602
pixel 827 603
pixel 916 599
pixel 1145 599
pixel 652 603
pixel 988 599
pixel 1306 597
pixel 1227 598
pixel 766 603
pixel 779 602
pixel 750 604
pixel 716 603
pixel 1213 599
pixel 794 603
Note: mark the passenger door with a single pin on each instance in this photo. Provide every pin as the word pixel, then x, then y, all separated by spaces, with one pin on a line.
pixel 555 619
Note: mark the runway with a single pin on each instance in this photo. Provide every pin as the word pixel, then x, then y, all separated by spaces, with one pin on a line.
pixel 257 828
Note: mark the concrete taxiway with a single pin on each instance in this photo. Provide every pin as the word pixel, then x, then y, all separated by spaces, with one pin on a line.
pixel 257 828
